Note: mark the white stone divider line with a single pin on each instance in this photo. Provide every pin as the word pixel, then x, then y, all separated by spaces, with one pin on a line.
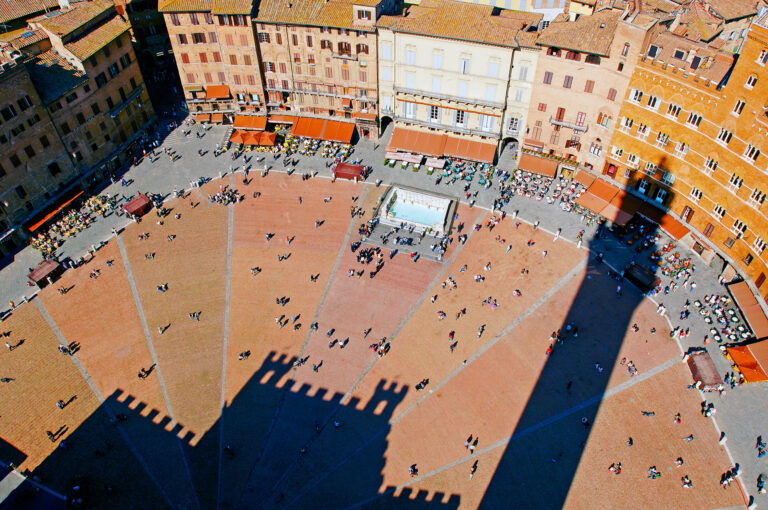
pixel 8 486
pixel 439 276
pixel 225 342
pixel 501 335
pixel 530 430
pixel 331 277
pixel 110 412
pixel 158 370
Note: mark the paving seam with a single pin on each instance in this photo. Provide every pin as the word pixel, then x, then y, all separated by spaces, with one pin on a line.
pixel 63 341
pixel 560 284
pixel 446 265
pixel 533 428
pixel 31 481
pixel 228 283
pixel 151 347
pixel 309 333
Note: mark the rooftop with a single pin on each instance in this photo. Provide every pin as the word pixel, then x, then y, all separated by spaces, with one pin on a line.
pixel 64 22
pixel 96 39
pixel 323 13
pixel 698 58
pixel 733 9
pixel 15 9
pixel 53 76
pixel 214 6
pixel 24 38
pixel 464 21
pixel 698 23
pixel 587 34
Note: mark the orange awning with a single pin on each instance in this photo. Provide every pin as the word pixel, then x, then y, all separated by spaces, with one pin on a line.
pixel 237 137
pixel 533 143
pixel 282 119
pixel 267 138
pixel 53 213
pixel 673 227
pixel 250 122
pixel 421 142
pixel 750 367
pixel 591 202
pixel 537 165
pixel 603 190
pixel 338 131
pixel 346 103
pixel 364 116
pixel 584 178
pixel 203 117
pixel 470 149
pixel 622 208
pixel 745 300
pixel 309 127
pixel 217 117
pixel 251 137
pixel 217 92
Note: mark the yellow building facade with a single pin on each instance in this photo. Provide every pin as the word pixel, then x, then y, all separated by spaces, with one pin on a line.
pixel 691 139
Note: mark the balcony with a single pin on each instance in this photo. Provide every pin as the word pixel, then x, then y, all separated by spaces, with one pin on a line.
pixel 447 97
pixel 456 129
pixel 344 56
pixel 114 112
pixel 579 128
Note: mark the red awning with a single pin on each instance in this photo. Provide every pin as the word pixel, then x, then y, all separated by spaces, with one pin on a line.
pixel 282 119
pixel 309 127
pixel 346 103
pixel 139 206
pixel 470 149
pixel 348 171
pixel 203 117
pixel 54 212
pixel 44 270
pixel 250 122
pixel 750 308
pixel 237 136
pixel 537 165
pixel 703 370
pixel 364 116
pixel 217 92
pixel 217 117
pixel 410 140
pixel 338 131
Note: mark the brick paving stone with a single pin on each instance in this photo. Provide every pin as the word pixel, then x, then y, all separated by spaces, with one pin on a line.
pixel 28 408
pixel 113 350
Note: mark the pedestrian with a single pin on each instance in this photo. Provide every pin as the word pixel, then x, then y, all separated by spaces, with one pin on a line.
pixel 544 254
pixel 413 470
pixel 472 472
pixel 468 441
pixel 473 446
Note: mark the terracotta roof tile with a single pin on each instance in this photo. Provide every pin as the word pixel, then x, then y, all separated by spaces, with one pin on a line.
pixel 331 13
pixel 734 9
pixel 65 22
pixel 28 38
pixel 184 5
pixel 96 39
pixel 53 76
pixel 460 20
pixel 711 65
pixel 15 9
pixel 587 34
pixel 232 6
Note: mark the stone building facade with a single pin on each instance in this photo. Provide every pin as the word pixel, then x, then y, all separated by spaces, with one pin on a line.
pixel 582 73
pixel 319 58
pixel 217 56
